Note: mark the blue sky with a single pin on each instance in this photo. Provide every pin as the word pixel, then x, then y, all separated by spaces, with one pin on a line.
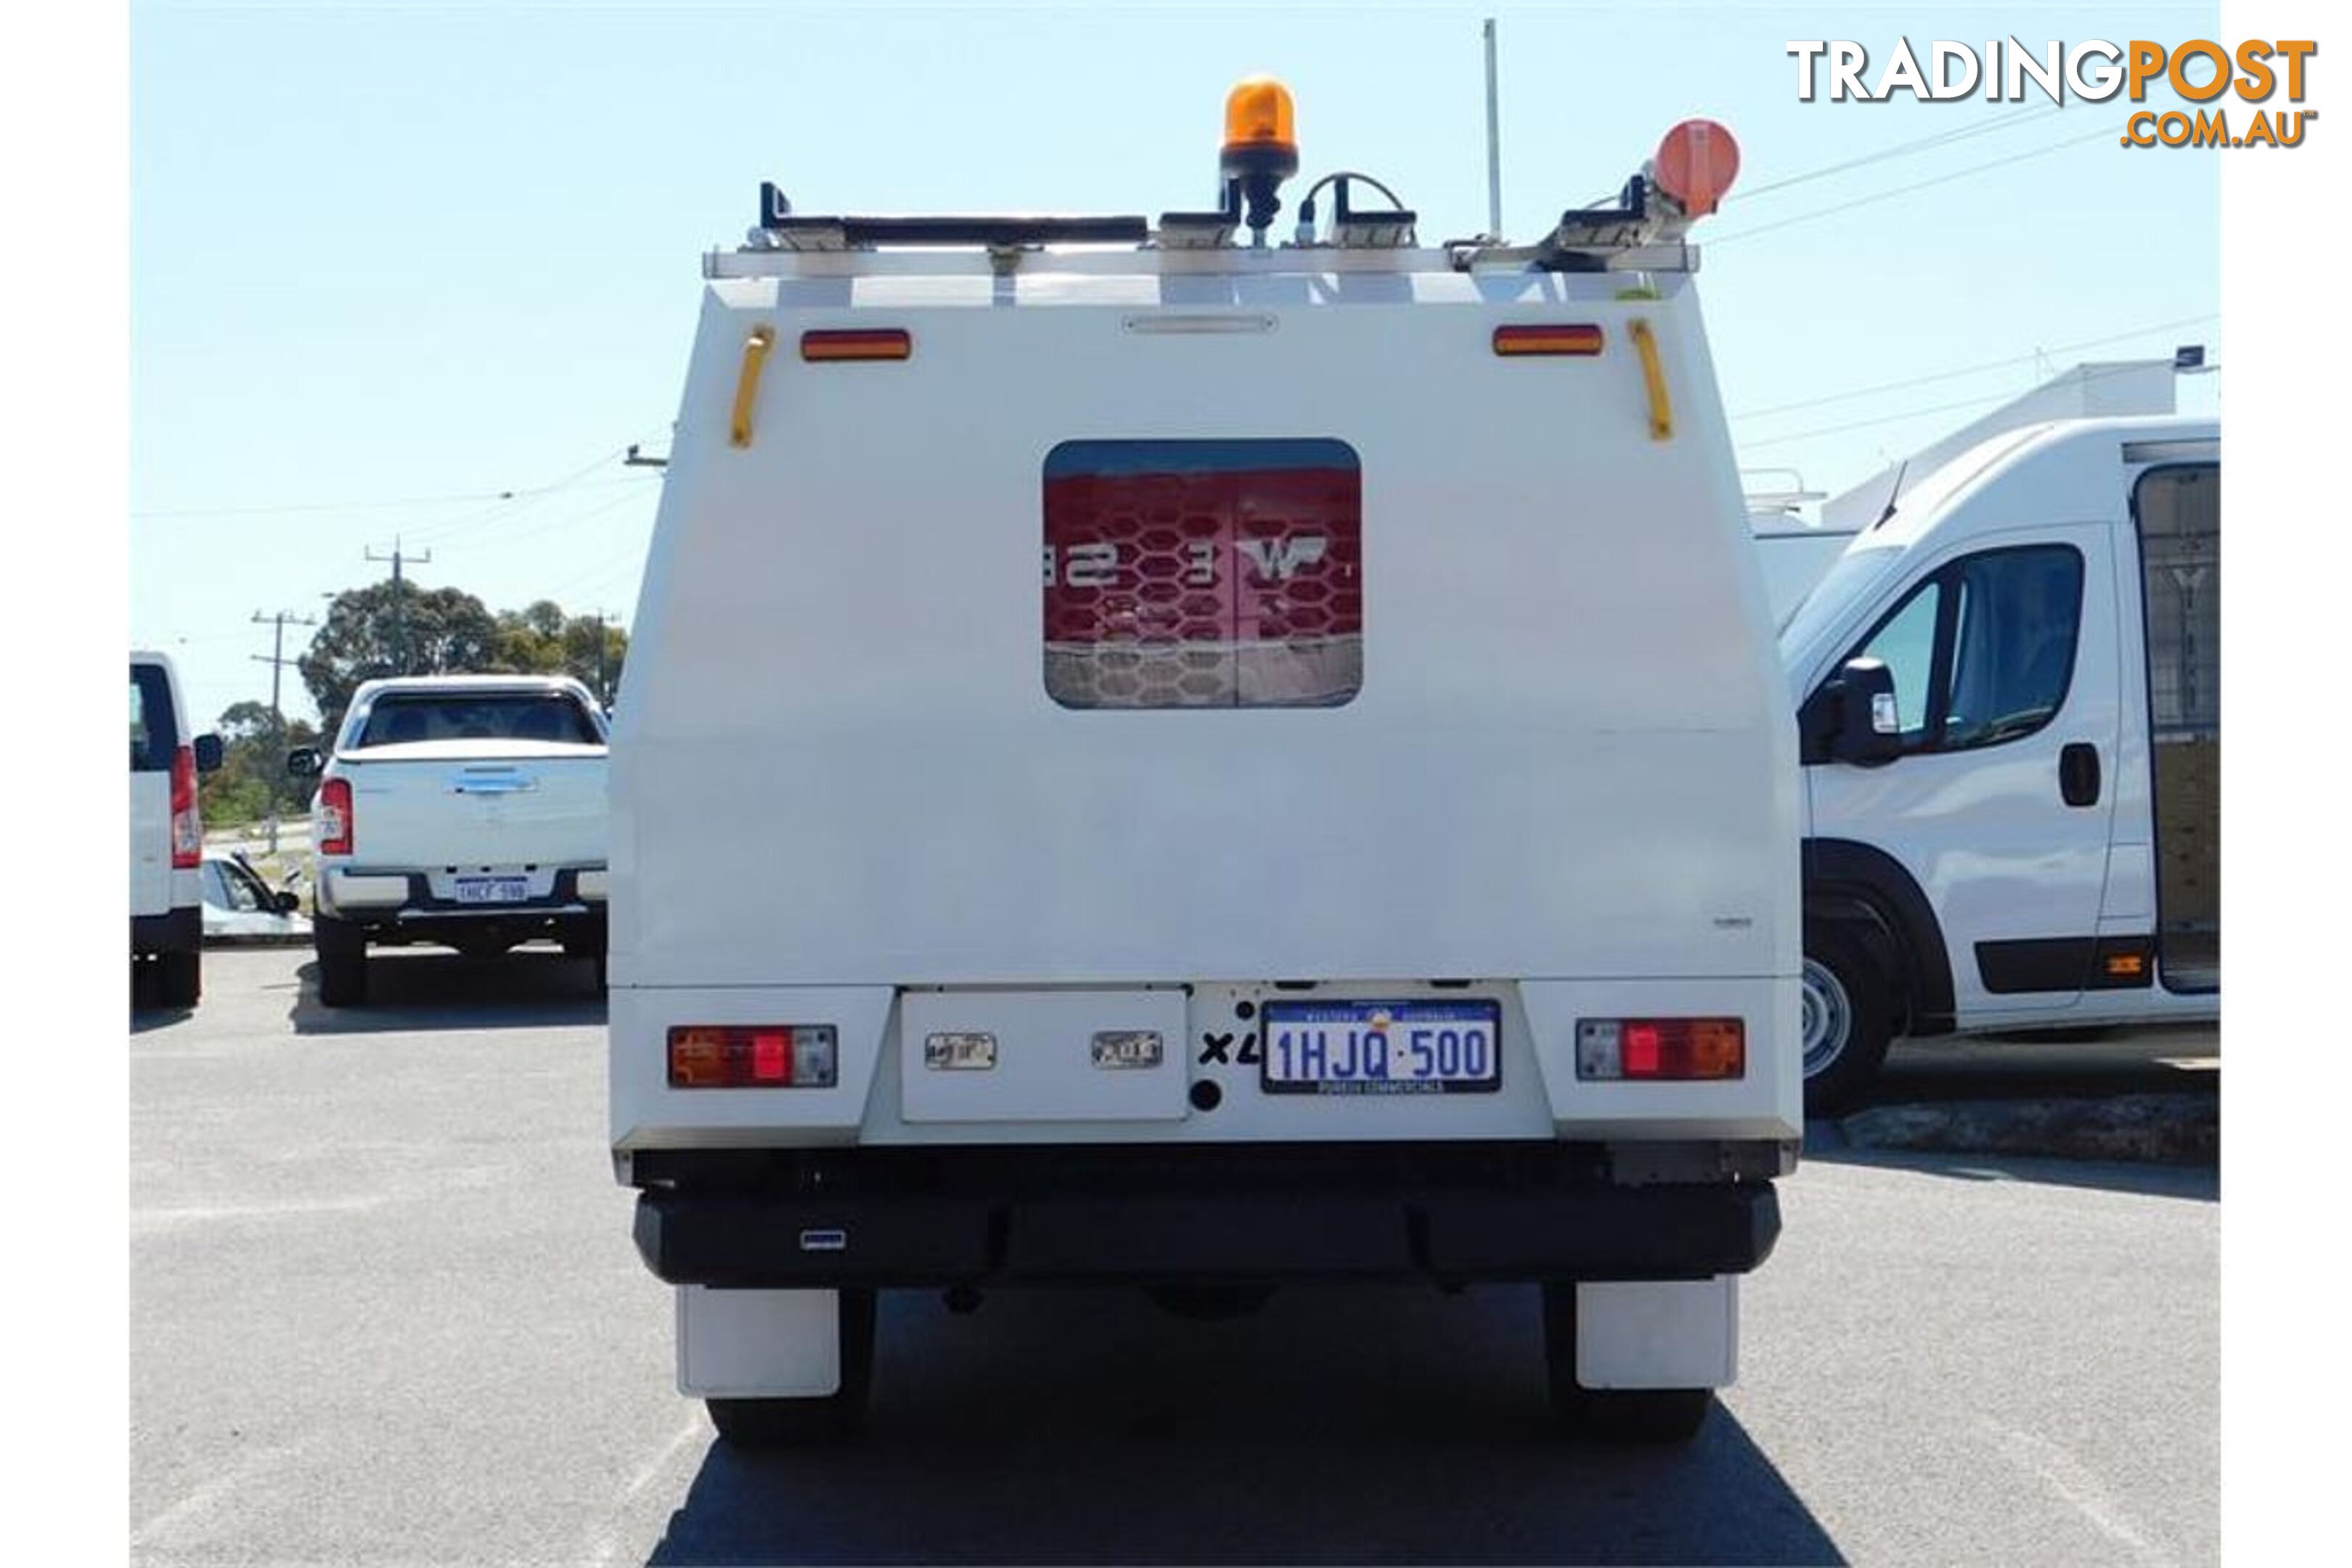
pixel 390 263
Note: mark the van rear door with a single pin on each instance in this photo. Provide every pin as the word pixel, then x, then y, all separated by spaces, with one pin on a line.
pixel 154 740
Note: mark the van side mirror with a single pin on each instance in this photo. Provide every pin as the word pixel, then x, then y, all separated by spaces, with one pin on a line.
pixel 288 902
pixel 304 763
pixel 208 754
pixel 1869 729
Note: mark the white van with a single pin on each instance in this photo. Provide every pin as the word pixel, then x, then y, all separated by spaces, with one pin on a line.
pixel 2031 836
pixel 1150 760
pixel 167 838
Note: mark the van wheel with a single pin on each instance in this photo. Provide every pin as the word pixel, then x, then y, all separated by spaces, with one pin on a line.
pixel 1612 1415
pixel 1847 1022
pixel 793 1423
pixel 343 979
pixel 179 979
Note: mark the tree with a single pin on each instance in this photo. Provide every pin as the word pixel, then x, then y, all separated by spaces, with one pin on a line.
pixel 251 782
pixel 369 632
pixel 544 640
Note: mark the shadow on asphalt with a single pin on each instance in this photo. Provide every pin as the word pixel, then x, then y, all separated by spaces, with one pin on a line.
pixel 2203 1183
pixel 144 1019
pixel 528 988
pixel 1377 1425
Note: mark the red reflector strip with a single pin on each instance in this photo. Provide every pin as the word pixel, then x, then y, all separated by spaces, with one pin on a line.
pixel 880 344
pixel 1563 340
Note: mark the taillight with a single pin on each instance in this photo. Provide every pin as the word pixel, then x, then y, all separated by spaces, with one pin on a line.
pixel 187 824
pixel 335 817
pixel 1582 338
pixel 1661 1049
pixel 752 1056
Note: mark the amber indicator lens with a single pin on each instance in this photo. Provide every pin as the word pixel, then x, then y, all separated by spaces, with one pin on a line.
pixel 890 342
pixel 1583 339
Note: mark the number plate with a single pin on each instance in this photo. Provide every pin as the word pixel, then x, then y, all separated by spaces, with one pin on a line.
pixel 1382 1048
pixel 493 890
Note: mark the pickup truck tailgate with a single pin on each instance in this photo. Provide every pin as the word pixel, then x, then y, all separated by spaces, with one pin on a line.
pixel 507 804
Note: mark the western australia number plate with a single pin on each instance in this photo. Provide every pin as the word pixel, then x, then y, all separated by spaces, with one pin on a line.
pixel 493 890
pixel 1382 1048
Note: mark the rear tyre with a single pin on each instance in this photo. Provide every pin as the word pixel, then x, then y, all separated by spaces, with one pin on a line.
pixel 827 1418
pixel 1630 1415
pixel 343 978
pixel 179 979
pixel 144 984
pixel 1847 1017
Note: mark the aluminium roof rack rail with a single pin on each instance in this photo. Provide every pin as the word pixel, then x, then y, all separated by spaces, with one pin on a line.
pixel 1642 232
pixel 779 228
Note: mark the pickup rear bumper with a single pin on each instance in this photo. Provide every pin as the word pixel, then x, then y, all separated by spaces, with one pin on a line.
pixel 870 1217
pixel 364 905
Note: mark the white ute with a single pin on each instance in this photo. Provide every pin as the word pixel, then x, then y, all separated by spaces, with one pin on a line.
pixel 1154 759
pixel 466 810
pixel 2027 836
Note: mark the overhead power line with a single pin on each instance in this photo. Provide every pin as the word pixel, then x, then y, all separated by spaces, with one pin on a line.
pixel 2099 374
pixel 2042 151
pixel 1904 150
pixel 2148 330
pixel 492 498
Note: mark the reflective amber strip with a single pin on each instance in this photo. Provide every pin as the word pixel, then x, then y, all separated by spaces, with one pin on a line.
pixel 1654 375
pixel 747 381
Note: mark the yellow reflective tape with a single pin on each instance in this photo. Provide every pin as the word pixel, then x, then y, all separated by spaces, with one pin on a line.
pixel 1654 375
pixel 747 381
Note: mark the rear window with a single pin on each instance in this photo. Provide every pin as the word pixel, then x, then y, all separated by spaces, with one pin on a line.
pixel 1203 573
pixel 398 721
pixel 154 737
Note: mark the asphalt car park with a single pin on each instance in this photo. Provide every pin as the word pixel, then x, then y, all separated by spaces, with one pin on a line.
pixel 385 1308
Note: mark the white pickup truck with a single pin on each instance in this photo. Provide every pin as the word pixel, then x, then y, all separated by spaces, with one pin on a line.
pixel 466 810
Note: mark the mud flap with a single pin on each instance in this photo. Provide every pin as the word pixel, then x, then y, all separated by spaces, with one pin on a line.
pixel 1669 1333
pixel 751 1344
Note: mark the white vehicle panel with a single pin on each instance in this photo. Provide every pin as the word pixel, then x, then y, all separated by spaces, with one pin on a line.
pixel 1520 561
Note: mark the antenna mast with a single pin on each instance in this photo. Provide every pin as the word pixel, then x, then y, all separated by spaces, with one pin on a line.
pixel 1494 143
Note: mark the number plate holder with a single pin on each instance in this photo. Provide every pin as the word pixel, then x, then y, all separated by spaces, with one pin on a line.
pixel 493 890
pixel 1421 1046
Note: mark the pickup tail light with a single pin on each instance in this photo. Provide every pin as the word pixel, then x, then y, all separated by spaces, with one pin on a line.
pixel 1661 1051
pixel 754 1056
pixel 335 817
pixel 187 823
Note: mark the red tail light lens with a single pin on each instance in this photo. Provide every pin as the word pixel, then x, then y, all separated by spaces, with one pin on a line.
pixel 188 823
pixel 752 1056
pixel 335 817
pixel 1661 1049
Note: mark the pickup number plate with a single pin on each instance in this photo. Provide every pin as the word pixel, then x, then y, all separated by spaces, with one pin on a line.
pixel 493 890
pixel 1382 1048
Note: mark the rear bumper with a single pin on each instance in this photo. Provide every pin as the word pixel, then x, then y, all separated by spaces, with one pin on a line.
pixel 400 905
pixel 177 930
pixel 863 1218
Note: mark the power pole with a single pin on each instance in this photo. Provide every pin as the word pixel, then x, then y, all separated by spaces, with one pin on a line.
pixel 276 658
pixel 276 662
pixel 399 617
